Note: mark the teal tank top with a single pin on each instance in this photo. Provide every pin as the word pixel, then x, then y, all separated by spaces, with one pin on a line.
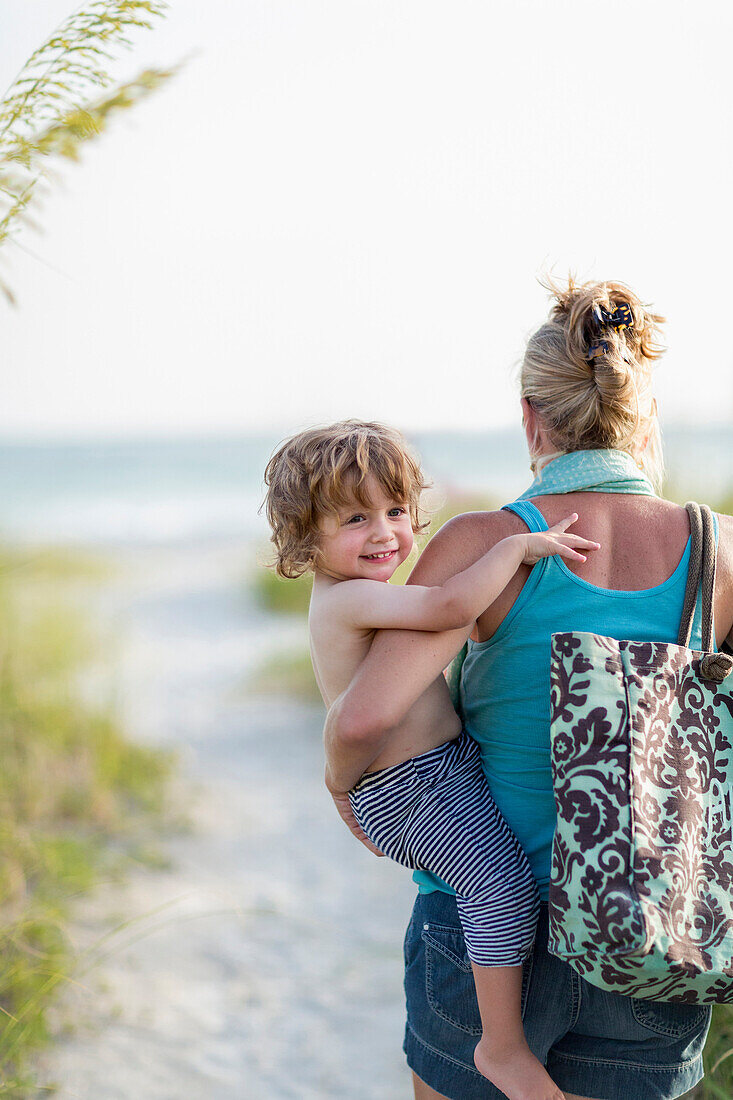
pixel 505 683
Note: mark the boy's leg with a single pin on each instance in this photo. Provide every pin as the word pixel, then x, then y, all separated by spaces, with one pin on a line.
pixel 424 1092
pixel 503 1055
pixel 459 834
pixel 436 812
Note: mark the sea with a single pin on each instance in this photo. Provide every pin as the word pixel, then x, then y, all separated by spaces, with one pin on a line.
pixel 163 491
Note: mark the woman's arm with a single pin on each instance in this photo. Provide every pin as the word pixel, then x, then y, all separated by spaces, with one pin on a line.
pixel 724 581
pixel 401 664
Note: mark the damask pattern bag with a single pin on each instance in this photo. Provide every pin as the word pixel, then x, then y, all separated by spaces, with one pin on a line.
pixel 641 892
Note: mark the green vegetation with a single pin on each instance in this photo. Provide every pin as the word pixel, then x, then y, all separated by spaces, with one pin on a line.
pixel 47 113
pixel 75 796
pixel 77 800
pixel 724 505
pixel 272 593
pixel 718 1058
pixel 53 565
pixel 287 673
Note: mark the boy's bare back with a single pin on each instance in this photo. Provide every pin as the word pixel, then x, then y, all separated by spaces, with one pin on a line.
pixel 337 649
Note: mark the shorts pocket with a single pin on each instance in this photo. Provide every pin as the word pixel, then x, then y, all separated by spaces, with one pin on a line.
pixel 449 983
pixel 669 1018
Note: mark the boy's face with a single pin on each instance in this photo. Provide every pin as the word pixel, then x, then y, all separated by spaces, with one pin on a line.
pixel 366 542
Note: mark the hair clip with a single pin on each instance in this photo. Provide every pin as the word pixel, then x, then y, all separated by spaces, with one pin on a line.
pixel 621 317
pixel 597 349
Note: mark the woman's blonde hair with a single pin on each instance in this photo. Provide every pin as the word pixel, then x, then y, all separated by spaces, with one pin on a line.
pixel 587 371
pixel 320 470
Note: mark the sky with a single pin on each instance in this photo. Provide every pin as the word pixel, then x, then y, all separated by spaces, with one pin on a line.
pixel 344 208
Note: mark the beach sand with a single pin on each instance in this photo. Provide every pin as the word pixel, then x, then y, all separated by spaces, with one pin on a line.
pixel 266 962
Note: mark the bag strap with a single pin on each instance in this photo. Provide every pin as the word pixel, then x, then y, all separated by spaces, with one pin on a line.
pixel 701 571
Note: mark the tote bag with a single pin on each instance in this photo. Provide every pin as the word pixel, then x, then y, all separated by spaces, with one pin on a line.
pixel 641 892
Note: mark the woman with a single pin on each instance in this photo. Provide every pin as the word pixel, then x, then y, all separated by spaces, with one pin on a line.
pixel 593 436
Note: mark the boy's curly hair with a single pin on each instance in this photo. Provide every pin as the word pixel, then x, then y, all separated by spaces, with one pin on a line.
pixel 320 470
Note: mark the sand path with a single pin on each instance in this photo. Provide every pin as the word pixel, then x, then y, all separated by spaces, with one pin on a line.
pixel 266 963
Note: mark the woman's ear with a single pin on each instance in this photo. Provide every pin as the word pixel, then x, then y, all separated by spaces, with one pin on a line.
pixel 531 428
pixel 644 442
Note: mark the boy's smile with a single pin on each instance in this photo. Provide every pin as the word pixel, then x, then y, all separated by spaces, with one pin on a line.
pixel 366 542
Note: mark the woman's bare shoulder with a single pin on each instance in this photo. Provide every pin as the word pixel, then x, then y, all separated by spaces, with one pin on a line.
pixel 725 543
pixel 724 582
pixel 480 525
pixel 462 541
pixel 726 526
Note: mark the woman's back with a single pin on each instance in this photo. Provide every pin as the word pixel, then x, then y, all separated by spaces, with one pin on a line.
pixel 636 590
pixel 642 537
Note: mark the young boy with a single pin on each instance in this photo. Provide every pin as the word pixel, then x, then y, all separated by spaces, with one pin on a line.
pixel 343 501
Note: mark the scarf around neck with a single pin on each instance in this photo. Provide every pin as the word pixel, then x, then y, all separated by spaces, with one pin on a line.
pixel 607 471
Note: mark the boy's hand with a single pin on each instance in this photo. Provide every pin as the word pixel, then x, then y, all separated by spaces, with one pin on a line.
pixel 341 801
pixel 542 544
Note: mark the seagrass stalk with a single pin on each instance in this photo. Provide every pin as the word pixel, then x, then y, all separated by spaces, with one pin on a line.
pixel 62 98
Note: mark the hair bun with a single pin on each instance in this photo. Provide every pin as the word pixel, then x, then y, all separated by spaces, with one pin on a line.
pixel 587 370
pixel 606 319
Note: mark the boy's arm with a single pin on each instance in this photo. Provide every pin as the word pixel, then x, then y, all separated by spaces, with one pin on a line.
pixel 459 600
pixel 374 605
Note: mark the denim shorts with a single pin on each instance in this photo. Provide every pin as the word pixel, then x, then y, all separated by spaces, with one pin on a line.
pixel 594 1044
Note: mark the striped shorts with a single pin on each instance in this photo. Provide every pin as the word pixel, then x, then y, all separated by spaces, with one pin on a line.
pixel 435 813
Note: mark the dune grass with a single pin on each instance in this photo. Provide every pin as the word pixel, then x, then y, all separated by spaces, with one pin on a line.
pixel 718 1058
pixel 288 672
pixel 272 593
pixel 77 799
